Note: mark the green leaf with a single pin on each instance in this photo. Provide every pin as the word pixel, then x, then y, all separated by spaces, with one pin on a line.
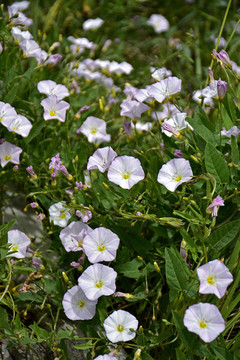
pixel 40 332
pixel 64 334
pixel 176 273
pixel 180 355
pixel 87 345
pixel 230 108
pixel 234 150
pixel 4 325
pixel 5 228
pixel 131 269
pixel 35 131
pixel 223 236
pixel 215 165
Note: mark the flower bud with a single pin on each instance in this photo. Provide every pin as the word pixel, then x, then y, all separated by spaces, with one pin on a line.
pixel 224 58
pixel 221 89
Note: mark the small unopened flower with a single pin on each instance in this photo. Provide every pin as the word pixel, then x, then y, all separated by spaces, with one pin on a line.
pixel 41 217
pixel 9 153
pixel 222 57
pixel 221 89
pixel 76 306
pixel 178 153
pixel 174 173
pixel 127 125
pixel 53 59
pixel 59 214
pixel 101 244
pixel 33 205
pixel 120 326
pixel 98 280
pixel 84 108
pixel 63 169
pixel 214 206
pixel 204 320
pixel 214 278
pixel 79 185
pixel 19 243
pixel 55 164
pixel 125 171
pixel 101 159
pixel 31 172
pixel 85 214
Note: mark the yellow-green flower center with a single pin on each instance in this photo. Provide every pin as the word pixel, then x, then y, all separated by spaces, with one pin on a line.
pixel 81 304
pixel 1 119
pixel 14 248
pixel 211 280
pixel 202 324
pixel 126 175
pixel 101 247
pixel 62 216
pixel 178 177
pixel 93 130
pixel 7 157
pixel 52 113
pixel 80 243
pixel 99 284
pixel 120 328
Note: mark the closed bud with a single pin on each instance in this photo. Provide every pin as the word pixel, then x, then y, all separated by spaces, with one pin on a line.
pixel 157 268
pixel 137 354
pixel 224 58
pixel 221 89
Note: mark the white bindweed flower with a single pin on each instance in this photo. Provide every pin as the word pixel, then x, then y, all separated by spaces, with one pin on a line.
pixel 59 214
pixel 76 306
pixel 101 159
pixel 214 278
pixel 125 171
pixel 132 108
pixel 7 114
pixel 177 123
pixel 19 243
pixel 95 130
pixel 30 49
pixel 21 125
pixel 98 280
pixel 141 127
pixel 168 110
pixel 9 153
pixel 92 24
pixel 204 320
pixel 100 245
pixel 120 326
pixel 20 35
pixel 174 173
pixel 54 109
pixel 158 22
pixel 49 87
pixel 165 88
pixel 73 235
pixel 120 68
pixel 160 74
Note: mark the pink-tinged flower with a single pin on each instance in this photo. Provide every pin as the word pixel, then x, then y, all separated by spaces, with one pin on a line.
pixel 95 130
pixel 31 172
pixel 165 88
pixel 222 57
pixel 213 207
pixel 49 87
pixel 120 326
pixel 85 214
pixel 101 244
pixel 59 214
pixel 177 123
pixel 132 108
pixel 174 173
pixel 125 171
pixel 92 24
pixel 160 74
pixel 55 164
pixel 7 114
pixel 204 320
pixel 9 153
pixel 54 109
pixel 178 153
pixel 159 23
pixel 127 125
pixel 76 306
pixel 20 35
pixel 53 59
pixel 214 278
pixel 101 159
pixel 98 280
pixel 105 357
pixel 73 235
pixel 30 49
pixel 19 243
pixel 221 89
pixel 20 125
